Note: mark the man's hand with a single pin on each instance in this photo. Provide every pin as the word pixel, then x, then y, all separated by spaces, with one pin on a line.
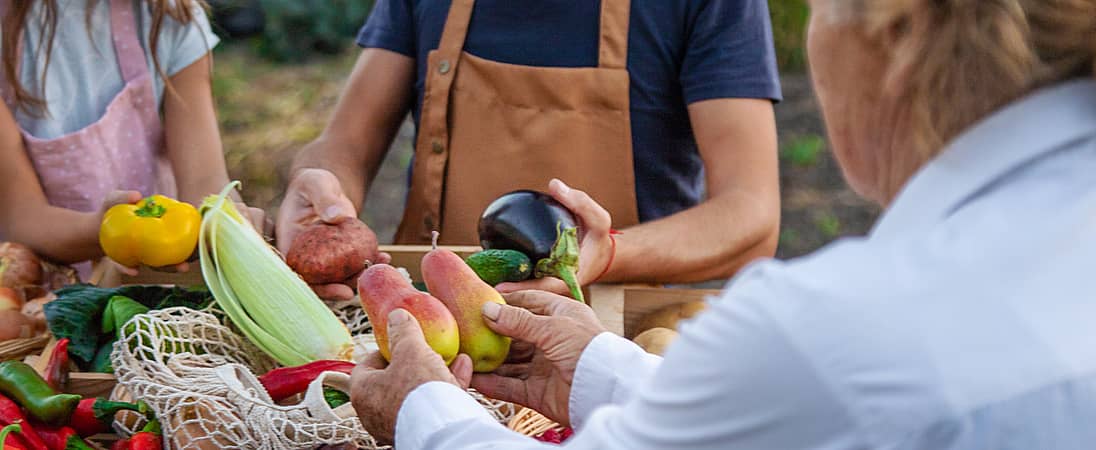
pixel 556 329
pixel 378 392
pixel 315 195
pixel 595 245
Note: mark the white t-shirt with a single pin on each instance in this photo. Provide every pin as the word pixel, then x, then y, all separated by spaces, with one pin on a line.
pixel 84 76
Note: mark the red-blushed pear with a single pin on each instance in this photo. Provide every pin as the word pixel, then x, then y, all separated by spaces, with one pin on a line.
pixel 453 282
pixel 384 289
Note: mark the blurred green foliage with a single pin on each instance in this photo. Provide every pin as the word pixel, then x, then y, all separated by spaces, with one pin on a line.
pixel 828 224
pixel 297 28
pixel 803 151
pixel 789 19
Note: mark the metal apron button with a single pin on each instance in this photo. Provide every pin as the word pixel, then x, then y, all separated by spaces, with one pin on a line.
pixel 443 67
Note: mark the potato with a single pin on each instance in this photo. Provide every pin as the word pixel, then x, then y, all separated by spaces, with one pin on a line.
pixel 669 316
pixel 19 266
pixel 655 340
pixel 324 254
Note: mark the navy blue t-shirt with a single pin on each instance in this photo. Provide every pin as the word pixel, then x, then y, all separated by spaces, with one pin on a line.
pixel 679 52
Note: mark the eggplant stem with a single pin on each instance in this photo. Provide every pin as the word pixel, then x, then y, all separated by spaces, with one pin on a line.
pixel 571 280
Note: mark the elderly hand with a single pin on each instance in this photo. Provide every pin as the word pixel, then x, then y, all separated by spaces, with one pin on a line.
pixel 378 392
pixel 550 333
pixel 315 195
pixel 595 245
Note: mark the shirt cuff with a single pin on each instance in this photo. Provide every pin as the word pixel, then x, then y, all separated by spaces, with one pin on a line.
pixel 431 407
pixel 607 373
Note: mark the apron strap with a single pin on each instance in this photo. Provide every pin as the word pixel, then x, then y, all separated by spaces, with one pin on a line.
pixel 613 46
pixel 127 44
pixel 448 58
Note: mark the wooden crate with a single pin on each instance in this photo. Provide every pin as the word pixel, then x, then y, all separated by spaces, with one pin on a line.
pixel 618 306
pixel 621 307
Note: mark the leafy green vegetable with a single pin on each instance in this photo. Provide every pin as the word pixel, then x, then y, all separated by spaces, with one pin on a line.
pixel 101 362
pixel 77 313
pixel 334 397
pixel 118 311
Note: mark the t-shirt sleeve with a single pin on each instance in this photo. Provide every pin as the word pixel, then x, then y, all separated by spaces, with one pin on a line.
pixel 182 44
pixel 390 26
pixel 730 52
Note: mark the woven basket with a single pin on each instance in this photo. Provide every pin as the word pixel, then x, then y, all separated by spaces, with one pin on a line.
pixel 531 423
pixel 19 348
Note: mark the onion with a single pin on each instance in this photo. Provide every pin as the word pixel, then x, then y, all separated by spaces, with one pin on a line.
pixel 14 325
pixel 33 310
pixel 10 299
pixel 19 266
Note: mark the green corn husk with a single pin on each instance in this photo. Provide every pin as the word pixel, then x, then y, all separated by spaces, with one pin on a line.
pixel 264 298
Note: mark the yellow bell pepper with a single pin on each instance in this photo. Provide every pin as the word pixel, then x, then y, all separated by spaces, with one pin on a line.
pixel 156 232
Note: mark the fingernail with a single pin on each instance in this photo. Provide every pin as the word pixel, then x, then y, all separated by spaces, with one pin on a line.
pixel 492 310
pixel 398 317
pixel 504 288
pixel 560 186
pixel 332 212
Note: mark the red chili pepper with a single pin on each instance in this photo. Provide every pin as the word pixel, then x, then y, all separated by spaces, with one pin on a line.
pixel 553 436
pixel 61 438
pixel 10 438
pixel 285 382
pixel 57 367
pixel 11 414
pixel 94 415
pixel 148 438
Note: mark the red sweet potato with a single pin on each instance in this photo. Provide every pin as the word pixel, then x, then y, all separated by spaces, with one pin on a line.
pixel 324 253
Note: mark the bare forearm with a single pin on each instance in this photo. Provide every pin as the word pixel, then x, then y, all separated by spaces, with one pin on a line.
pixel 710 241
pixel 61 235
pixel 192 135
pixel 366 119
pixel 355 174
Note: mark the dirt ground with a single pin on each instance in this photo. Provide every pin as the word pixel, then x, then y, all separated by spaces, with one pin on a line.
pixel 268 111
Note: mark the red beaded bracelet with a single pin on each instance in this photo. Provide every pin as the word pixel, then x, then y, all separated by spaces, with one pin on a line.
pixel 612 256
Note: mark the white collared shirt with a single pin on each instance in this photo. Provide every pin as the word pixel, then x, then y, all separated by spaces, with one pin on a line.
pixel 966 319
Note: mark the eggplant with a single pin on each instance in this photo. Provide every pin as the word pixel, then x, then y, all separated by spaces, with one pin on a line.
pixel 526 221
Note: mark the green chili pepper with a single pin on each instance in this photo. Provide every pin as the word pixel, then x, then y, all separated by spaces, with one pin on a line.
pixel 20 382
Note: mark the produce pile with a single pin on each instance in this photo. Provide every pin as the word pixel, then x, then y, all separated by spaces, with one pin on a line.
pixel 25 285
pixel 35 416
pixel 253 358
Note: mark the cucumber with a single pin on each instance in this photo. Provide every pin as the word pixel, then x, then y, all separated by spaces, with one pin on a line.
pixel 497 266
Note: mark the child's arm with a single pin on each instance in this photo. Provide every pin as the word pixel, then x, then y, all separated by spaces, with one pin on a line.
pixel 192 137
pixel 26 217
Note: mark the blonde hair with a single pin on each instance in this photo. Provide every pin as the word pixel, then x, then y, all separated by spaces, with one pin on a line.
pixel 953 62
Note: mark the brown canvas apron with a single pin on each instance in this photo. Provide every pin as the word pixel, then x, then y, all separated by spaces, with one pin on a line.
pixel 488 128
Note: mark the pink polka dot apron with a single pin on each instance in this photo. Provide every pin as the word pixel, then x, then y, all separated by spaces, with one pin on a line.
pixel 123 150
